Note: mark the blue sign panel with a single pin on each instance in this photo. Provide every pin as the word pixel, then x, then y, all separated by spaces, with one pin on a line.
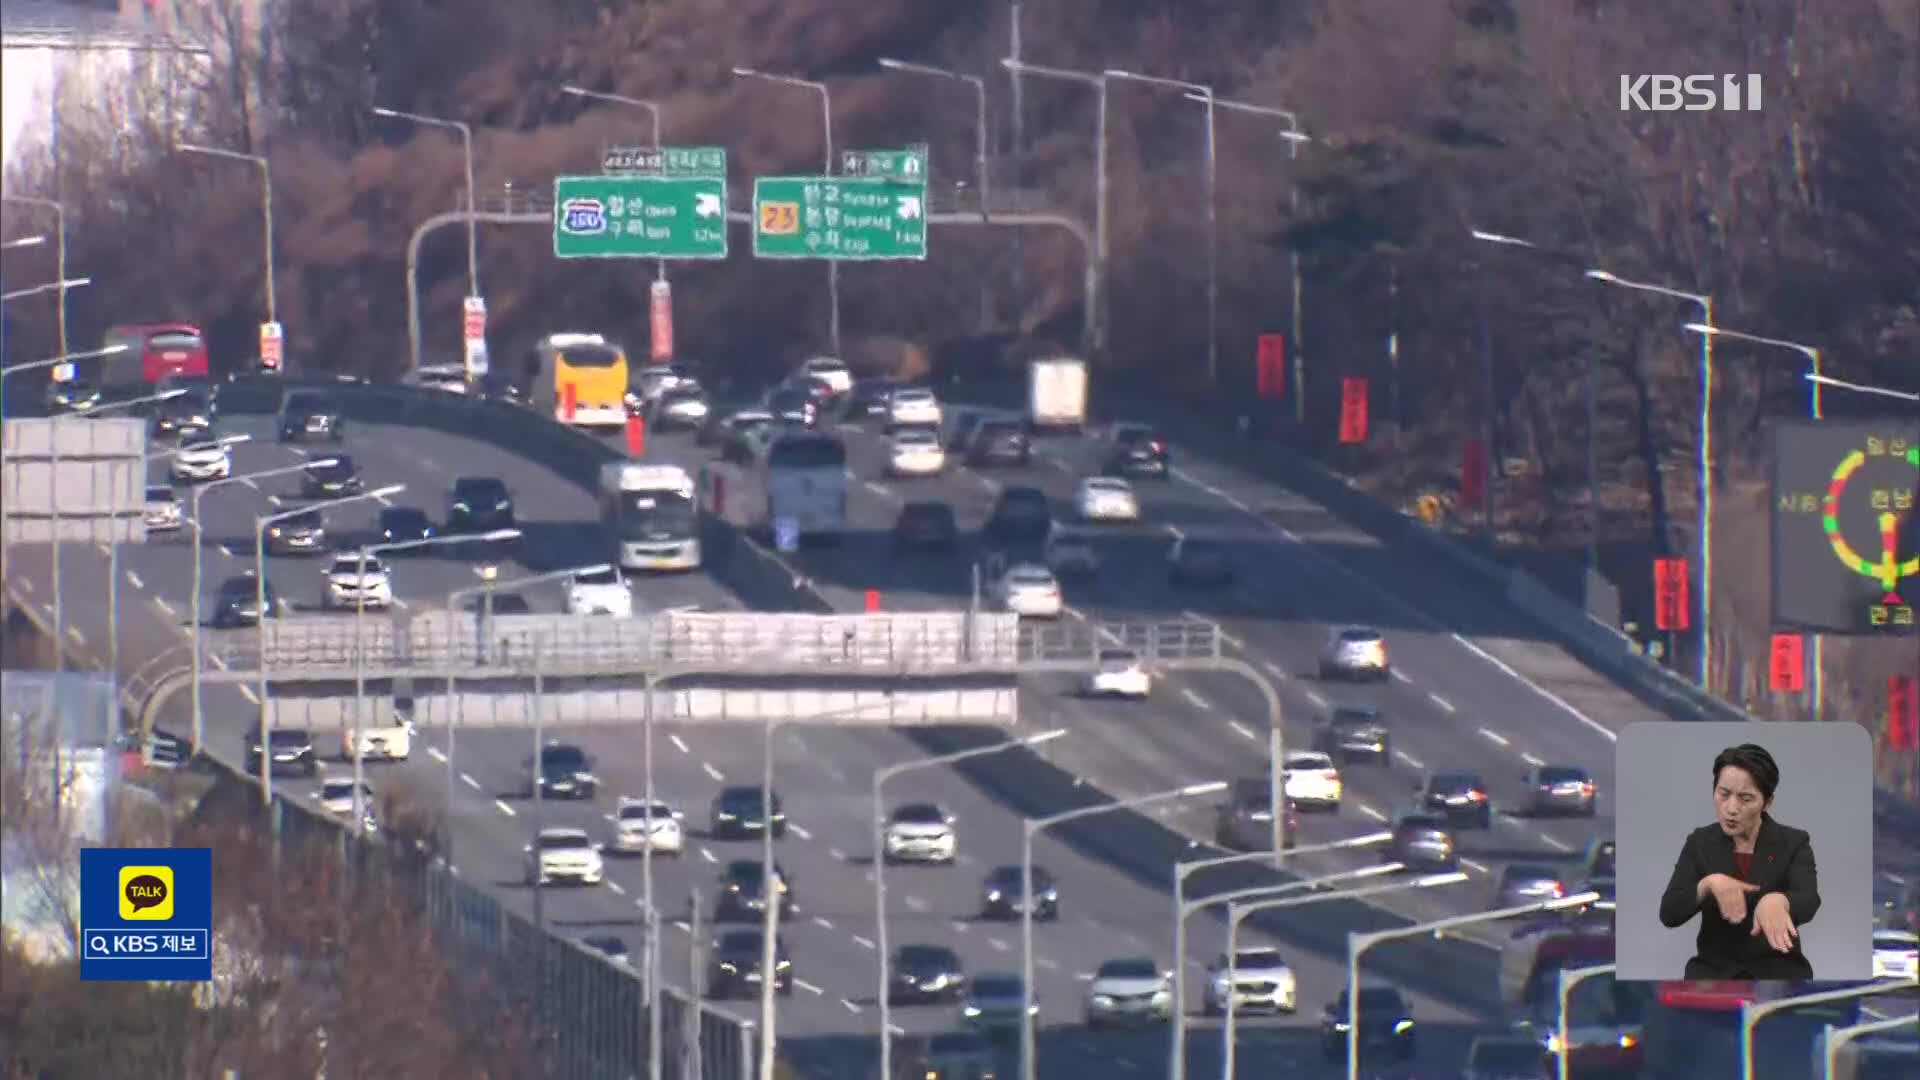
pixel 146 914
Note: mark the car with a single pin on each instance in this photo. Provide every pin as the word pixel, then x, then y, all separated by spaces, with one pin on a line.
pixel 999 442
pixel 953 1055
pixel 1507 1057
pixel 1260 979
pixel 1106 498
pixel 243 601
pixel 959 433
pixel 1424 840
pixel 308 415
pixel 1527 883
pixel 829 370
pixel 404 525
pixel 1355 733
pixel 645 385
pixel 639 825
pixel 1020 515
pixel 304 533
pixel 1462 796
pixel 737 960
pixel 915 452
pixel 160 508
pixel 1135 449
pixel 335 794
pixel 352 584
pixel 913 407
pixel 1355 652
pixel 198 392
pixel 1598 860
pixel 1312 780
pixel 331 477
pixel 1386 1024
pixel 684 406
pixel 925 973
pixel 1030 591
pixel 1244 820
pixel 997 1001
pixel 565 772
pixel 738 813
pixel 722 428
pixel 1896 954
pixel 1121 674
pixel 391 741
pixel 601 590
pixel 188 414
pixel 920 832
pixel 1196 561
pixel 867 400
pixel 563 854
pixel 1559 789
pixel 925 525
pixel 291 751
pixel 1070 554
pixel 609 946
pixel 72 396
pixel 742 892
pixel 793 405
pixel 198 458
pixel 1002 897
pixel 479 504
pixel 1127 991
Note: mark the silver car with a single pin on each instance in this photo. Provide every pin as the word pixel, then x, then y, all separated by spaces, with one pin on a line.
pixel 1129 991
pixel 997 1001
pixel 1259 980
pixel 1528 883
pixel 1355 652
pixel 1559 789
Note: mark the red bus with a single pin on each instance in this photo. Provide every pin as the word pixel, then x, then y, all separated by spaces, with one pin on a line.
pixel 155 351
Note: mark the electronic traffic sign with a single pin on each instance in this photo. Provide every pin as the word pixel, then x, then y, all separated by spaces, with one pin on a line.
pixel 623 216
pixel 1846 539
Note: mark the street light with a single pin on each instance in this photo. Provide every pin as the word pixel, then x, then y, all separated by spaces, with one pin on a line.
pixel 880 778
pixel 23 242
pixel 1862 388
pixel 1182 907
pixel 1358 943
pixel 1837 1037
pixel 262 615
pixel 833 265
pixel 60 286
pixel 653 113
pixel 1238 910
pixel 1031 827
pixel 1566 979
pixel 473 208
pixel 1205 94
pixel 1705 464
pixel 1096 299
pixel 1752 1012
pixel 260 162
pixel 60 252
pixel 982 177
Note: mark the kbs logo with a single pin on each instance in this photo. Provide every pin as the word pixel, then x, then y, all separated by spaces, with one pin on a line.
pixel 1689 93
pixel 583 217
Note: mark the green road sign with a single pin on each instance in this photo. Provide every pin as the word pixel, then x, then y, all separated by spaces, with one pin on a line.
pixel 640 217
pixel 909 164
pixel 666 160
pixel 835 217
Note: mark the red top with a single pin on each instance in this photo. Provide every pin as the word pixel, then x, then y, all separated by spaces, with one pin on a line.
pixel 1742 864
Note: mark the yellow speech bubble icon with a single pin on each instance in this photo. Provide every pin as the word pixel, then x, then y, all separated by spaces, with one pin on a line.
pixel 146 893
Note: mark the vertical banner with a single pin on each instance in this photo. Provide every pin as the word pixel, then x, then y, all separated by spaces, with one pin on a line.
pixel 1473 473
pixel 1353 410
pixel 873 601
pixel 1787 669
pixel 1270 366
pixel 473 319
pixel 1671 609
pixel 272 346
pixel 636 436
pixel 660 311
pixel 1903 713
pixel 569 401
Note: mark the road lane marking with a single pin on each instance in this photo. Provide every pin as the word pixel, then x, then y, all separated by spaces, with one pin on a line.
pixel 959 926
pixel 678 924
pixel 716 774
pixel 227 551
pixel 836 854
pixel 1494 737
pixel 217 661
pixel 865 943
pixel 103 549
pixel 679 744
pixel 799 831
pixel 1477 868
pixel 467 779
pixel 1410 761
pixel 165 608
pixel 1372 813
pixel 998 945
pixel 1243 730
pixel 851 1007
pixel 617 889
pixel 1194 699
pixel 1314 696
pixel 707 854
pixel 822 923
pixel 808 987
pixel 914 903
pixel 1555 842
pixel 434 753
pixel 1047 964
pixel 247 692
pixel 1443 703
pixel 504 808
pixel 1174 531
pixel 78 637
pixel 1531 760
pixel 1274 670
pixel 1398 675
pixel 134 579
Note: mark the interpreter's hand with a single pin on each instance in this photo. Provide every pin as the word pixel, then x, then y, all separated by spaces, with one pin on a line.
pixel 1729 895
pixel 1772 918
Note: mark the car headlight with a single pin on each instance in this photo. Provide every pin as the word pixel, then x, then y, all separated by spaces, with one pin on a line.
pixel 1049 896
pixel 993 895
pixel 1161 997
pixel 728 967
pixel 723 816
pixel 783 965
pixel 970 1011
pixel 1402 1027
pixel 1102 1000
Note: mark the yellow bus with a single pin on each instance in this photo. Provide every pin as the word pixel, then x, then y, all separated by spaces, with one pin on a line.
pixel 581 379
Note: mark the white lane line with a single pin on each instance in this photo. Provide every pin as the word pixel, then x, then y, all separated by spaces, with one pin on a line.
pixel 501 804
pixel 836 854
pixel 865 943
pixel 102 548
pixel 618 890
pixel 679 744
pixel 273 500
pixel 808 987
pixel 1531 760
pixel 914 903
pixel 1443 704
pixel 799 831
pixel 1274 669
pixel 1478 868
pixel 1174 531
pixel 467 779
pixel 78 637
pixel 1493 737
pixel 435 753
pixel 1372 813
pixel 1409 760
pixel 998 945
pixel 479 572
pixel 383 500
pixel 1398 675
pixel 878 490
pixel 217 661
pixel 247 692
pixel 134 580
pixel 227 551
pixel 716 774
pixel 1243 730
pixel 678 924
pixel 1314 696
pixel 1555 842
pixel 822 923
pixel 959 926
pixel 849 1003
pixel 1194 699
pixel 1045 963
pixel 707 854
pixel 165 608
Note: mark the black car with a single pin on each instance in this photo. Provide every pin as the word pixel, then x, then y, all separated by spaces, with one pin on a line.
pixel 237 602
pixel 926 526
pixel 189 414
pixel 1193 561
pixel 1424 840
pixel 793 405
pixel 1461 796
pixel 868 400
pixel 405 524
pixel 307 415
pixel 1001 895
pixel 1020 515
pixel 304 533
pixel 1000 442
pixel 925 973
pixel 1355 733
pixel 479 504
pixel 743 892
pixel 738 813
pixel 331 478
pixel 72 396
pixel 736 965
pixel 292 750
pixel 1386 1025
pixel 1137 451
pixel 961 430
pixel 566 772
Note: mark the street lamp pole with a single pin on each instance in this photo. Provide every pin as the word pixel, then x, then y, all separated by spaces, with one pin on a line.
pixel 1752 1012
pixel 60 253
pixel 19 242
pixel 1566 980
pixel 1031 827
pixel 833 265
pixel 60 286
pixel 981 175
pixel 473 208
pixel 1097 286
pixel 653 114
pixel 1837 1037
pixel 266 205
pixel 880 778
pixel 1863 388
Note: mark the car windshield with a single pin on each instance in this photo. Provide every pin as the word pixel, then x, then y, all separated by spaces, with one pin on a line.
pixel 288 738
pixel 200 440
pixel 746 872
pixel 160 493
pixel 404 518
pixel 1023 502
pixel 996 986
pixel 1108 485
pixel 744 800
pixel 565 842
pixel 350 564
pixel 1030 577
pixel 1420 823
pixel 335 465
pixel 920 814
pixel 1359 637
pixel 1309 760
pixel 308 520
pixel 563 759
pixel 1554 774
pixel 739 942
pixel 1379 1000
pixel 933 513
pixel 605 576
pixel 1117 656
pixel 641 811
pixel 341 789
pixel 479 490
pixel 912 397
pixel 1007 878
pixel 927 956
pixel 1133 433
pixel 1132 968
pixel 1257 958
pixel 1454 783
pixel 307 405
pixel 1355 716
pixel 1603 859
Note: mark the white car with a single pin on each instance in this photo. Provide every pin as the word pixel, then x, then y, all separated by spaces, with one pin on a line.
pixel 1355 652
pixel 638 826
pixel 1030 591
pixel 1260 980
pixel 392 741
pixel 913 407
pixel 564 855
pixel 921 832
pixel 1121 675
pixel 915 452
pixel 349 587
pixel 1896 954
pixel 1129 991
pixel 336 795
pixel 201 461
pixel 162 509
pixel 599 592
pixel 1312 780
pixel 828 370
pixel 1106 498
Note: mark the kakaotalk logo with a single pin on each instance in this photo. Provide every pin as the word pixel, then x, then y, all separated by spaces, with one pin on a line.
pixel 1689 93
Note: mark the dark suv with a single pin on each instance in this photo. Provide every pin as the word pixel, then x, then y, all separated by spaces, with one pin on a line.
pixel 738 813
pixel 1000 442
pixel 565 772
pixel 304 533
pixel 237 602
pixel 1355 733
pixel 308 416
pixel 1136 450
pixel 292 750
pixel 331 478
pixel 1021 515
pixel 743 892
pixel 924 526
pixel 479 504
pixel 1461 796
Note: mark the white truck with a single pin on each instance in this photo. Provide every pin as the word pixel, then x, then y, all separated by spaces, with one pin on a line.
pixel 1057 394
pixel 649 510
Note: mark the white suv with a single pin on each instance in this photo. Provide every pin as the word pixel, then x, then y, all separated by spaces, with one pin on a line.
pixel 564 855
pixel 601 591
pixel 638 826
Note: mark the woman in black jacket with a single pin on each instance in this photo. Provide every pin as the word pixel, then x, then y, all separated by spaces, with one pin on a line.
pixel 1749 878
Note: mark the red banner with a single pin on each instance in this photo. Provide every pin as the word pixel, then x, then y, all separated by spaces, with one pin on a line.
pixel 1353 410
pixel 1903 713
pixel 1271 366
pixel 661 312
pixel 569 400
pixel 1670 595
pixel 873 600
pixel 473 319
pixel 636 436
pixel 1473 474
pixel 1788 664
